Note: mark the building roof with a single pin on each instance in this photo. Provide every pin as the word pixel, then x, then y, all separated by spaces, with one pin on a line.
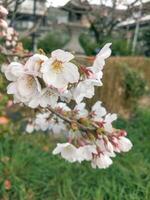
pixel 132 22
pixel 77 6
pixel 26 7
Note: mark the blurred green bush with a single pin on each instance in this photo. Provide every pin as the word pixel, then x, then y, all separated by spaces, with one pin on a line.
pixel 27 43
pixel 145 39
pixel 53 40
pixel 134 83
pixel 120 47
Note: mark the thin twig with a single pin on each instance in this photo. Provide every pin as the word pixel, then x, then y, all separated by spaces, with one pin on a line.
pixel 82 127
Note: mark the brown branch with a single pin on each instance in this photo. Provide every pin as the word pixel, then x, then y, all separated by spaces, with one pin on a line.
pixel 16 54
pixel 69 121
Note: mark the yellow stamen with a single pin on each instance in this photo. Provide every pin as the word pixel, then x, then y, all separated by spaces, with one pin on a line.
pixel 57 66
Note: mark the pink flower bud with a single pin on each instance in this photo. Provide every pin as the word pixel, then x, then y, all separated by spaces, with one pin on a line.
pixel 3 11
pixel 3 120
pixel 7 184
pixel 9 103
pixel 3 24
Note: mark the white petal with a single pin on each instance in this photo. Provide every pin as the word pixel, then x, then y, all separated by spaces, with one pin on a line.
pixel 103 161
pixel 110 118
pixel 61 55
pixel 83 89
pixel 27 86
pixel 11 88
pixel 34 63
pixel 105 52
pixel 13 71
pixel 70 72
pixel 98 110
pixel 101 56
pixel 125 144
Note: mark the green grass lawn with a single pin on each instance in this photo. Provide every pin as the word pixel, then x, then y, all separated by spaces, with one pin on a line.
pixel 35 174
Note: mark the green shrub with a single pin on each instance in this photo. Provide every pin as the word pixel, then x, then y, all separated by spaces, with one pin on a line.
pixel 145 38
pixel 88 44
pixel 53 40
pixel 119 46
pixel 134 83
pixel 27 43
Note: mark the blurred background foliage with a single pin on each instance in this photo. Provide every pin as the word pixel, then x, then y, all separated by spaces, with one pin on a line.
pixel 48 42
pixel 120 45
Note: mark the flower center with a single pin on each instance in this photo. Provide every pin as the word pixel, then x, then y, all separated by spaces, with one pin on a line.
pixel 57 66
pixel 30 81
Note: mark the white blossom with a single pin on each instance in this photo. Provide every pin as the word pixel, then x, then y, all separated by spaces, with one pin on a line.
pixel 106 147
pixel 104 53
pixel 42 122
pixel 80 110
pixel 98 111
pixel 67 151
pixel 58 126
pixel 58 71
pixel 109 118
pixel 3 11
pixel 86 152
pixel 45 98
pixel 34 63
pixel 84 89
pixel 30 128
pixel 63 106
pixel 13 71
pixel 3 24
pixel 101 161
pixel 122 144
pixel 24 88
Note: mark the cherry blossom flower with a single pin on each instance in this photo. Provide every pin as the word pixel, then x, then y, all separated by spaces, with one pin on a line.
pixel 122 144
pixel 58 71
pixel 34 63
pixel 3 11
pixel 86 152
pixel 3 24
pixel 13 71
pixel 84 89
pixel 57 126
pixel 30 128
pixel 101 161
pixel 80 110
pixel 104 53
pixel 98 111
pixel 24 88
pixel 67 151
pixel 109 118
pixel 63 106
pixel 45 98
pixel 106 147
pixel 42 122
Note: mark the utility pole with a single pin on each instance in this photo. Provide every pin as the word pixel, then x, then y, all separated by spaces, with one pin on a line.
pixel 137 17
pixel 34 46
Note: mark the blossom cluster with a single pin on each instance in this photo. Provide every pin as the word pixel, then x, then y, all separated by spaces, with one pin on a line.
pixel 97 145
pixel 56 86
pixel 8 33
pixel 3 22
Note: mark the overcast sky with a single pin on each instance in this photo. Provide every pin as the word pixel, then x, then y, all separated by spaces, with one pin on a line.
pixel 63 2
